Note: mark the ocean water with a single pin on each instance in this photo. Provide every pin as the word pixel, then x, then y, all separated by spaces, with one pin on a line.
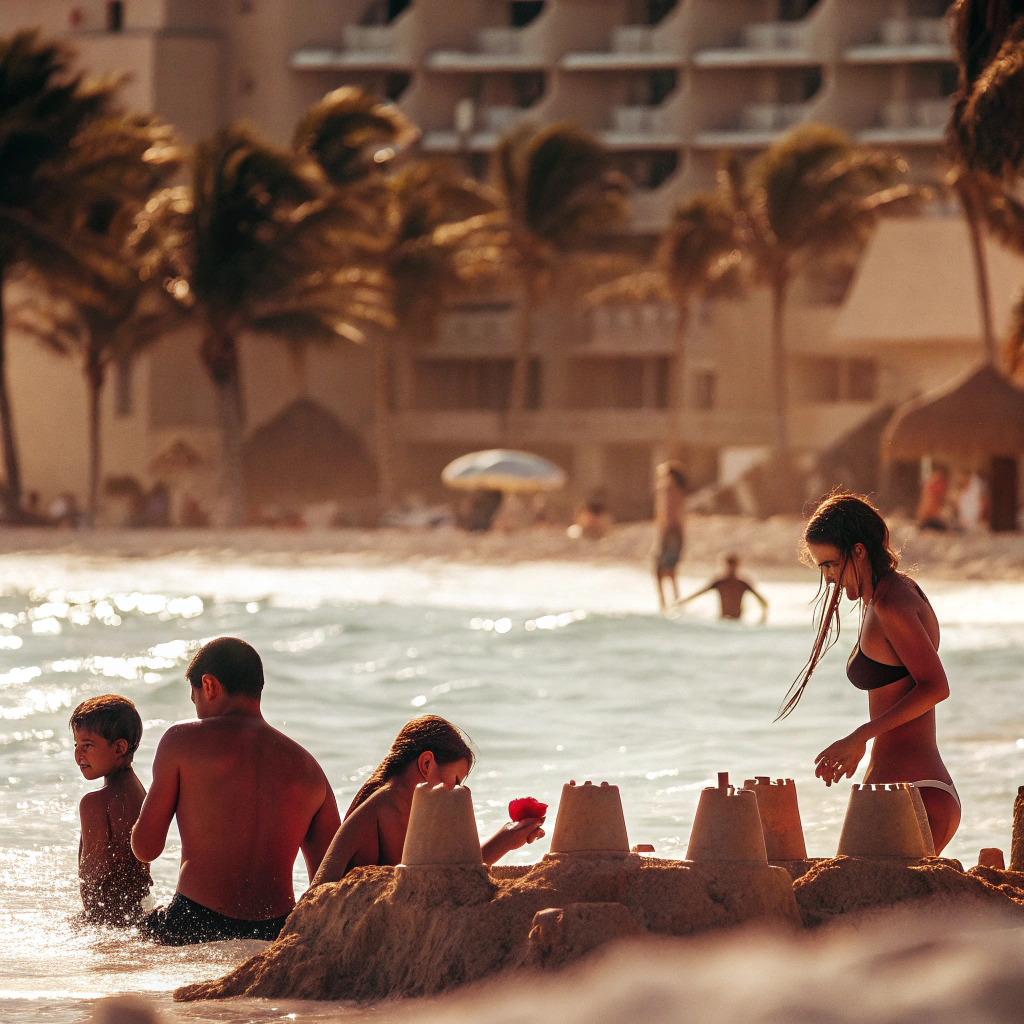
pixel 556 671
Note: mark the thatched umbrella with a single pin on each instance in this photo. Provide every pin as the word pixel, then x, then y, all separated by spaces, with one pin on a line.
pixel 305 456
pixel 978 419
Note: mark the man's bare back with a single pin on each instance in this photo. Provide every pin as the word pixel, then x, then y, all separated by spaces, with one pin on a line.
pixel 247 799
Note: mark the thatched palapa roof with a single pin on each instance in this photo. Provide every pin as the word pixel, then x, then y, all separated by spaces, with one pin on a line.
pixel 304 456
pixel 975 418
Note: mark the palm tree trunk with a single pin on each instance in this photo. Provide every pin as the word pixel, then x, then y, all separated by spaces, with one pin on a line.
pixel 520 373
pixel 988 333
pixel 94 375
pixel 220 356
pixel 780 412
pixel 12 466
pixel 677 393
pixel 386 477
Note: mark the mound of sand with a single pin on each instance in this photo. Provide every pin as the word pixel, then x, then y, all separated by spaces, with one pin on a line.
pixel 386 932
pixel 858 885
pixel 902 969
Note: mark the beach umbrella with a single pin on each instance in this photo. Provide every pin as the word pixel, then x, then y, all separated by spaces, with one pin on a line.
pixel 502 470
pixel 976 419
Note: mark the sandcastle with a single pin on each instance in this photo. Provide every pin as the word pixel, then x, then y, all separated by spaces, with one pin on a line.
pixel 780 817
pixel 442 919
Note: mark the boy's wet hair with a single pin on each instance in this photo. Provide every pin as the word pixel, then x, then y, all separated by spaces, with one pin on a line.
pixel 232 662
pixel 111 716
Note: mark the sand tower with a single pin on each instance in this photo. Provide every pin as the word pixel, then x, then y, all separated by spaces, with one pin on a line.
pixel 727 826
pixel 1017 842
pixel 590 821
pixel 883 821
pixel 780 817
pixel 442 828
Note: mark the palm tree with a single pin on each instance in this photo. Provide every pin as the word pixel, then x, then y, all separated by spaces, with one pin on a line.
pixel 100 319
pixel 559 195
pixel 44 106
pixel 811 193
pixel 259 243
pixel 697 253
pixel 985 130
pixel 423 218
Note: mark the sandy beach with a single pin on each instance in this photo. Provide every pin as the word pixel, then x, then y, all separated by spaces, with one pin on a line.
pixel 768 547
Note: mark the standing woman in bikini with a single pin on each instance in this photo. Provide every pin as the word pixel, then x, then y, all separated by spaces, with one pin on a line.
pixel 895 659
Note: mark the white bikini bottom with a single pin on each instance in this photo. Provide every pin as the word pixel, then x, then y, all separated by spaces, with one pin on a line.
pixel 946 787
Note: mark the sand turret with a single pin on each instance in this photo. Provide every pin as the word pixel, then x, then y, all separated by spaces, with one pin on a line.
pixel 882 821
pixel 442 828
pixel 1017 843
pixel 590 821
pixel 727 826
pixel 780 817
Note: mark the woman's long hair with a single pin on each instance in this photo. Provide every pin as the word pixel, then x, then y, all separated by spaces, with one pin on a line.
pixel 426 733
pixel 843 520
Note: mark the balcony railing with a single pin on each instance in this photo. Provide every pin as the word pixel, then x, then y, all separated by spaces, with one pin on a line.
pixel 635 120
pixel 772 117
pixel 369 39
pixel 910 31
pixel 926 113
pixel 775 35
pixel 628 39
pixel 503 42
pixel 488 330
pixel 647 328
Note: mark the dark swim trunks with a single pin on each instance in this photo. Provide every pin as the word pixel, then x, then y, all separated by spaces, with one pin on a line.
pixel 183 922
pixel 667 557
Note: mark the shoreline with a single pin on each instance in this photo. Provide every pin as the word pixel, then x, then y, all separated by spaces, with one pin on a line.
pixel 765 547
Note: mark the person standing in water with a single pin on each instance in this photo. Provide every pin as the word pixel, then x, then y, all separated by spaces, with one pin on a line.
pixel 731 591
pixel 895 659
pixel 669 512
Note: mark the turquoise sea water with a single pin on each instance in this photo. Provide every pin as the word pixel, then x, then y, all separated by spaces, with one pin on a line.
pixel 556 671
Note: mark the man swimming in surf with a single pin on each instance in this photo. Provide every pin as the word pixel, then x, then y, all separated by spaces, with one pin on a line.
pixel 247 799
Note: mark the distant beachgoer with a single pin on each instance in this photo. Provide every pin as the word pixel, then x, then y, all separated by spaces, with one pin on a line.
pixel 593 521
pixel 669 513
pixel 731 591
pixel 895 659
pixel 931 507
pixel 428 749
pixel 247 799
pixel 972 504
pixel 107 732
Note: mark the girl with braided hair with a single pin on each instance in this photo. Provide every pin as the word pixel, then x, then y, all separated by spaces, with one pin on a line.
pixel 428 749
pixel 895 658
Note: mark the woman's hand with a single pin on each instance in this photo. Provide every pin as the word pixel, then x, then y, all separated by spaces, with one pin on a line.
pixel 510 837
pixel 840 759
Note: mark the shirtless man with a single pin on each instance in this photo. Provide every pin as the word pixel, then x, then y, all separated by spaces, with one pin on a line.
pixel 731 590
pixel 247 799
pixel 669 509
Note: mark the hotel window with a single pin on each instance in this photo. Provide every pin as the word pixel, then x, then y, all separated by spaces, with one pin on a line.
pixel 861 380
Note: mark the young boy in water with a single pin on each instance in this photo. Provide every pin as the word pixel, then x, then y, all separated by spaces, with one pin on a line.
pixel 107 733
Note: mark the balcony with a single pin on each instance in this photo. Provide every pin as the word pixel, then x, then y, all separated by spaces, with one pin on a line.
pixel 479 329
pixel 905 40
pixel 635 127
pixel 763 44
pixel 909 122
pixel 759 124
pixel 491 124
pixel 639 329
pixel 497 49
pixel 631 47
pixel 366 47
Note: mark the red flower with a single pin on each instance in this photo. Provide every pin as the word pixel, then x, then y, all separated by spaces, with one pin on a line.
pixel 526 807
